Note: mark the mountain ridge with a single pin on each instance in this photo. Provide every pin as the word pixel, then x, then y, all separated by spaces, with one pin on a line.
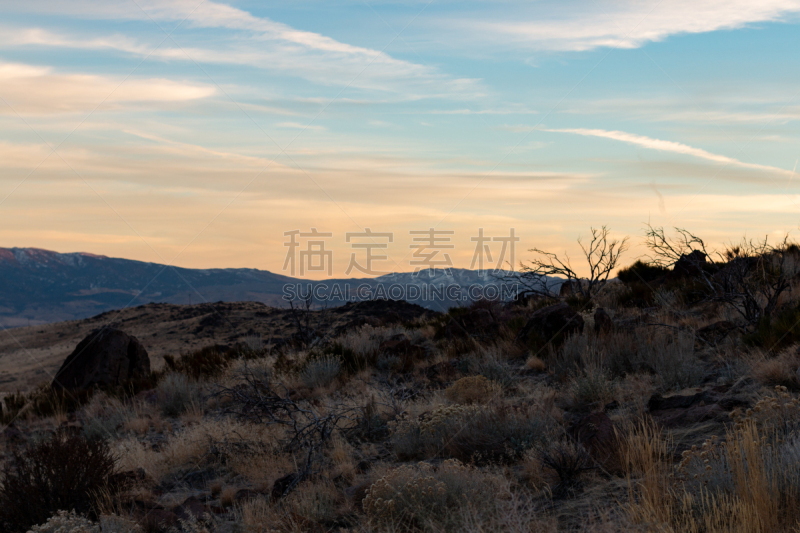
pixel 40 286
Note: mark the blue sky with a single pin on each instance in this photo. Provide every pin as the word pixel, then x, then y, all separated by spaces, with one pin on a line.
pixel 196 133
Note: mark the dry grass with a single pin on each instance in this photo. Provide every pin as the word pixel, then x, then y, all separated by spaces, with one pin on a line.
pixel 488 420
pixel 473 389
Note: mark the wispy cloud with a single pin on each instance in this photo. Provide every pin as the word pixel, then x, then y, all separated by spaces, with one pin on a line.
pixel 40 90
pixel 667 146
pixel 254 41
pixel 584 25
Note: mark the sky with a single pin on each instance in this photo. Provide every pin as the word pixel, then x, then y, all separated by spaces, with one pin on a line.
pixel 197 133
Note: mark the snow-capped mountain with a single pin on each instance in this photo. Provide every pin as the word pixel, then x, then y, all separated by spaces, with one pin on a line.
pixel 41 286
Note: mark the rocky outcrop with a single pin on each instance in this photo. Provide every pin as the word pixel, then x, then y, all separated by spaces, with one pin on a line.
pixel 105 357
pixel 551 322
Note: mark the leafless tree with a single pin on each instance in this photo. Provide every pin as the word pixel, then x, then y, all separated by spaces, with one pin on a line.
pixel 602 256
pixel 258 399
pixel 666 251
pixel 303 314
pixel 750 276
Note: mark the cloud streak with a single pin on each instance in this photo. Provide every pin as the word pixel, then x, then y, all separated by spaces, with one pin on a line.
pixel 667 146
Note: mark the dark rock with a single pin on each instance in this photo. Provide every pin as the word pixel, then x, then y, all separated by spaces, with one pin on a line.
pixel 614 404
pixel 282 486
pixel 602 321
pixel 107 356
pixel 158 520
pixel 384 312
pixel 671 418
pixel 358 492
pixel 552 321
pixel 716 332
pixel 470 322
pixel 363 467
pixel 597 435
pixel 678 401
pixel 191 508
pixel 680 410
pixel 14 436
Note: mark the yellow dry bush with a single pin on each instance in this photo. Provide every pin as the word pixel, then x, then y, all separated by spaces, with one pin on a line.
pixel 420 497
pixel 472 389
pixel 746 482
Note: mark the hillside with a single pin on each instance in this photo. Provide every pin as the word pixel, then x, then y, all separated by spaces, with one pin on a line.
pixel 30 356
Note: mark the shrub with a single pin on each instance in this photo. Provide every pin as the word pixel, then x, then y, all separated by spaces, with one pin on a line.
pixel 105 416
pixel 667 354
pixel 641 272
pixel 778 332
pixel 471 433
pixel 176 393
pixel 472 389
pixel 320 372
pixel 64 522
pixel 205 363
pixel 569 461
pixel 67 471
pixel 348 359
pixel 779 370
pixel 423 498
pixel 14 403
pixel 592 387
pixel 46 401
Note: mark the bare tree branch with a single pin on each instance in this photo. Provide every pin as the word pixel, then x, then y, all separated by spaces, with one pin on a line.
pixel 602 256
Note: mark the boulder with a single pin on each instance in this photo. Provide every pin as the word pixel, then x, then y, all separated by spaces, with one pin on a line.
pixel 552 321
pixel 106 356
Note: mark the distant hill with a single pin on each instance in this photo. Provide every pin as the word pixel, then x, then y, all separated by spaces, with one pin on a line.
pixel 40 286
